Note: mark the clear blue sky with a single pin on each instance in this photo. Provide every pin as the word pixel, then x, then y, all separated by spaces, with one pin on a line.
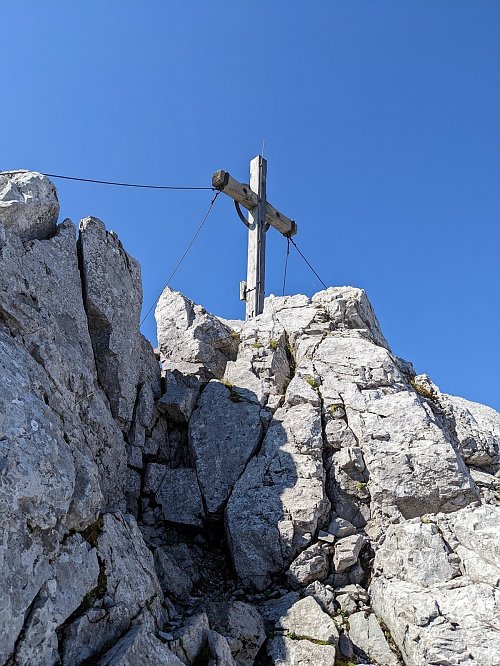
pixel 381 123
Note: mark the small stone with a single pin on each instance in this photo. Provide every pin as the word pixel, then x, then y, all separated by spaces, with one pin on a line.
pixel 347 551
pixel 345 646
pixel 326 537
pixel 311 564
pixel 348 603
pixel 341 528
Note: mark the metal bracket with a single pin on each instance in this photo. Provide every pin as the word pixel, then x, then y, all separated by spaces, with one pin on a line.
pixel 240 214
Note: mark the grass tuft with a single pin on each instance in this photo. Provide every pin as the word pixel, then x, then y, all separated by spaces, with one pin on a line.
pixel 312 382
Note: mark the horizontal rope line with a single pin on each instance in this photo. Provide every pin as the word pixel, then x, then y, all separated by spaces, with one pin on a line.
pixel 112 182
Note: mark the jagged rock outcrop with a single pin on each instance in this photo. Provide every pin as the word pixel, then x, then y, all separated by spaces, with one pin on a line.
pixel 283 490
pixel 437 587
pixel 64 460
pixel 191 339
pixel 28 205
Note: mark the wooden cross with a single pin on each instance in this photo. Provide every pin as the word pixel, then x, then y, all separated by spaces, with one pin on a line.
pixel 261 215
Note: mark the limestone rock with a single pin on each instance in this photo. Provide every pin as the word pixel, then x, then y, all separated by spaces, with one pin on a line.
pixel 173 580
pixel 345 425
pixel 305 619
pixel 128 584
pixel 477 428
pixel 177 492
pixel 179 496
pixel 368 638
pixel 224 432
pixel 191 339
pixel 242 626
pixel 297 315
pixel 312 564
pixel 437 608
pixel 272 610
pixel 110 278
pixel 417 552
pixel 75 572
pixel 180 396
pixel 349 598
pixel 139 646
pixel 341 528
pixel 324 595
pixel 400 437
pixel 41 310
pixel 220 650
pixel 347 551
pixel 28 205
pixel 262 366
pixel 284 651
pixel 349 308
pixel 299 390
pixel 286 482
pixel 190 639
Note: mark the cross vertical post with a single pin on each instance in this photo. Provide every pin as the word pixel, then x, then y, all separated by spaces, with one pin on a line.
pixel 256 268
pixel 261 215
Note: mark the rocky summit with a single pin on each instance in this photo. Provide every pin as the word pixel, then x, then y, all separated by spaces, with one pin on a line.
pixel 282 491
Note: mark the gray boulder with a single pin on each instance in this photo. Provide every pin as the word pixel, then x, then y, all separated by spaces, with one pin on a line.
pixel 306 619
pixel 262 366
pixel 341 528
pixel 139 646
pixel 75 572
pixel 324 595
pixel 219 650
pixel 347 551
pixel 110 278
pixel 368 638
pixel 224 432
pixel 173 580
pixel 348 308
pixel 28 205
pixel 410 460
pixel 127 590
pixel 180 396
pixel 286 482
pixel 241 625
pixel 192 340
pixel 285 651
pixel 273 609
pixel 310 565
pixel 432 593
pixel 41 310
pixel 189 640
pixel 477 428
pixel 177 492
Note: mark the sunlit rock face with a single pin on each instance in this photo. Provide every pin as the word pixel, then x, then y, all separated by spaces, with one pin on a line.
pixel 277 491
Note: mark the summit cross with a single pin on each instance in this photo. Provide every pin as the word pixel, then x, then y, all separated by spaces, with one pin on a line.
pixel 261 215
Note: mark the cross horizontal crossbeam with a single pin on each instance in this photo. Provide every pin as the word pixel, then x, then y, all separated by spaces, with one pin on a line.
pixel 240 192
